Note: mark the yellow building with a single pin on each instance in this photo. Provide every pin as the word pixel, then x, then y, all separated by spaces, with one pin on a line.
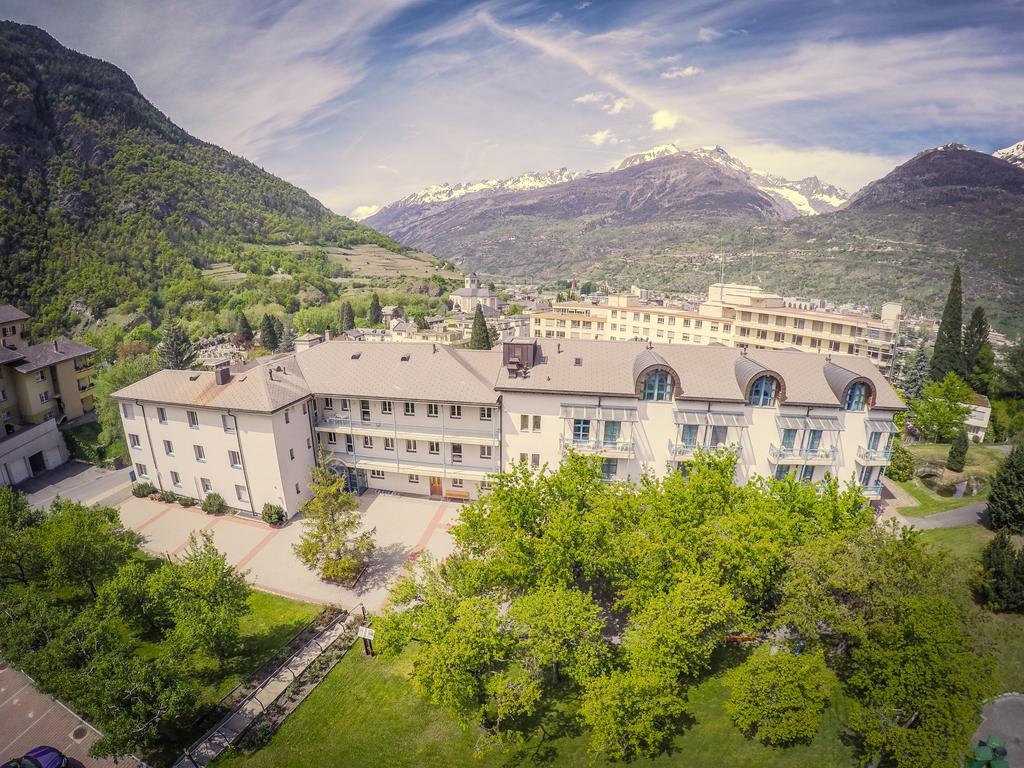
pixel 733 315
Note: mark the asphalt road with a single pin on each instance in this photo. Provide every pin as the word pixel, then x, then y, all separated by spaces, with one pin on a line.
pixel 78 481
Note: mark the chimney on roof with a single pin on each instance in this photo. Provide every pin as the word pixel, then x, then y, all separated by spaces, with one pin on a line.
pixel 270 373
pixel 55 346
pixel 221 370
pixel 559 345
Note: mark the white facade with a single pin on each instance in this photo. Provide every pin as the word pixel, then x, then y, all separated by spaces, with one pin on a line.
pixel 977 420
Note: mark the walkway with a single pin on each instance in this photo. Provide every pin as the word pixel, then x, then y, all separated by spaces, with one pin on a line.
pixel 231 727
pixel 897 498
pixel 1003 716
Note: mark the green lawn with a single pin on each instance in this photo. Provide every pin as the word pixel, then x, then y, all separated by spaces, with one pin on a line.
pixel 929 502
pixel 982 462
pixel 366 714
pixel 964 541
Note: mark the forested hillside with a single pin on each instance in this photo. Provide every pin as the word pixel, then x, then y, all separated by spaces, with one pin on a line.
pixel 104 202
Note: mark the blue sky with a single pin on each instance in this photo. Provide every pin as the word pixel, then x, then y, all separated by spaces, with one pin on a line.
pixel 363 101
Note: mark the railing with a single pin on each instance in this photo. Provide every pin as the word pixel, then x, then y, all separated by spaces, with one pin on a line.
pixel 874 454
pixel 85 386
pixel 871 489
pixel 685 448
pixel 595 446
pixel 447 427
pixel 805 454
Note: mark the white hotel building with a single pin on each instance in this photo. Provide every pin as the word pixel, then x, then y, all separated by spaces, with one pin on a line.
pixel 435 421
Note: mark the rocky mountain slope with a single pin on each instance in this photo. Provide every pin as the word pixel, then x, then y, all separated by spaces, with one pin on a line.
pixel 103 199
pixel 1013 154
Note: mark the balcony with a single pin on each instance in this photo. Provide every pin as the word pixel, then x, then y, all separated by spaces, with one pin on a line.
pixel 445 430
pixel 475 471
pixel 874 456
pixel 686 449
pixel 610 448
pixel 819 455
pixel 872 490
pixel 85 386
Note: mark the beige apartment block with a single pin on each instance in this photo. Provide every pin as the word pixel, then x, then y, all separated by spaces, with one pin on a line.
pixel 733 316
pixel 13 327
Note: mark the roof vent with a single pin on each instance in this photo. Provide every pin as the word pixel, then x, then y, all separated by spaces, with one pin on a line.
pixel 405 357
pixel 435 348
pixel 579 361
pixel 355 355
pixel 279 369
pixel 271 374
pixel 55 346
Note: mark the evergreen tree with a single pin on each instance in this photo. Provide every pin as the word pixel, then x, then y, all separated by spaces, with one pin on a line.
pixel 175 348
pixel 287 340
pixel 957 456
pixel 278 329
pixel 245 333
pixel 348 317
pixel 949 340
pixel 916 373
pixel 375 315
pixel 1001 569
pixel 479 338
pixel 268 333
pixel 983 373
pixel 1006 500
pixel 975 336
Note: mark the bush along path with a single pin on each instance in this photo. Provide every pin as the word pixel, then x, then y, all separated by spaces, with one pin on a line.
pixel 269 693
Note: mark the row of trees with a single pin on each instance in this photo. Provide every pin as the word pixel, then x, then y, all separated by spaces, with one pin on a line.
pixel 609 601
pixel 78 599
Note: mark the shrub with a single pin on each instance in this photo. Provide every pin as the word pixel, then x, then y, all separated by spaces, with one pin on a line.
pixel 273 513
pixel 186 501
pixel 213 504
pixel 167 496
pixel 957 452
pixel 901 465
pixel 141 490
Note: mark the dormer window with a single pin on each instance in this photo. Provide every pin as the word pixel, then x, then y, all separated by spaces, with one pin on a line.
pixel 657 386
pixel 856 397
pixel 764 392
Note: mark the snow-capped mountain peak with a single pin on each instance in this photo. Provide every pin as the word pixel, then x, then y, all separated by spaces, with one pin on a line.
pixel 441 193
pixel 662 150
pixel 1013 154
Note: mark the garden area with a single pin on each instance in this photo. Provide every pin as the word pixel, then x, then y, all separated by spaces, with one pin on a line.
pixel 937 491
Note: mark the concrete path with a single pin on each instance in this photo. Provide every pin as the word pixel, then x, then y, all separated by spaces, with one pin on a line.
pixel 1003 716
pixel 896 499
pixel 78 481
pixel 405 527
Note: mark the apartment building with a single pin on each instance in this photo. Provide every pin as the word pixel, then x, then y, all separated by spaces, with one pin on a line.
pixel 435 421
pixel 733 315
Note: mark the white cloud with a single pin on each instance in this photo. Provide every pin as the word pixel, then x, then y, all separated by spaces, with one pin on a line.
pixel 387 169
pixel 363 212
pixel 617 106
pixel 676 72
pixel 592 98
pixel 600 138
pixel 707 34
pixel 583 4
pixel 663 120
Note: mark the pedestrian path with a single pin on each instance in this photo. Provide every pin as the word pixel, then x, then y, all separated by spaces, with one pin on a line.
pixel 234 724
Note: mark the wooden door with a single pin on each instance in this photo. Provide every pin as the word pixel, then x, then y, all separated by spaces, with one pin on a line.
pixel 435 486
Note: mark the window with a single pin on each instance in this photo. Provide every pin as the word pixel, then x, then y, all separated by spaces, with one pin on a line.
pixel 175 479
pixel 44 397
pixel 345 404
pixel 856 397
pixel 291 454
pixel 657 386
pixel 235 459
pixel 485 451
pixel 387 407
pixel 328 403
pixel 242 493
pixel 367 441
pixel 377 474
pixel 763 392
pixel 524 422
pixel 432 410
pixel 228 423
pixel 834 346
pixel 608 468
pixel 364 410
pixel 309 444
pixel 349 444
pixel 455 411
pixel 287 416
pixel 134 442
pixel 536 423
pixel 813 439
pixel 199 452
pixel 205 484
pixel 141 471
pixel 524 457
pixel 456 453
pixel 798 322
pixel 389 443
pixel 486 413
pixel 580 430
pixel 798 340
pixel 332 439
pixel 690 435
pixel 193 419
pixel 788 439
pixel 410 446
pixel 161 415
pixel 779 336
pixel 297 488
pixel 612 431
pixel 414 478
pixel 433 448
pixel 874 440
pixel 456 482
pixel 807 475
pixel 168 447
pixel 534 460
pixel 410 409
pixel 41 376
pixel 781 471
pixel 719 435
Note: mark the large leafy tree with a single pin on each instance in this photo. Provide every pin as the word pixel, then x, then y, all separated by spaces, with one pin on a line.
pixel 948 354
pixel 20 552
pixel 1006 499
pixel 109 380
pixel 479 337
pixel 939 413
pixel 84 545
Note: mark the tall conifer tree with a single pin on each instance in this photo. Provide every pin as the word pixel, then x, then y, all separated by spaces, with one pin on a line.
pixel 949 341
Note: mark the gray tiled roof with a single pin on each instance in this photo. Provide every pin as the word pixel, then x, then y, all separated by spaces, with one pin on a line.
pixel 10 355
pixel 11 314
pixel 50 353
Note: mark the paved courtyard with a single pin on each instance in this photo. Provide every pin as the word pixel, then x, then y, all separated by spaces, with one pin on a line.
pixel 405 527
pixel 78 481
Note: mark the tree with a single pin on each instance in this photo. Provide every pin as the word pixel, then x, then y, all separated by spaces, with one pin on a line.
pixel 421 321
pixel 975 337
pixel 375 316
pixel 778 696
pixel 20 554
pixel 84 545
pixel 916 373
pixel 901 465
pixel 1010 376
pixel 940 411
pixel 108 411
pixel 278 330
pixel 588 287
pixel 268 333
pixel 1002 582
pixel 348 318
pixel 244 332
pixel 479 338
pixel 331 542
pixel 513 309
pixel 983 374
pixel 175 348
pixel 957 456
pixel 1006 499
pixel 947 356
pixel 287 343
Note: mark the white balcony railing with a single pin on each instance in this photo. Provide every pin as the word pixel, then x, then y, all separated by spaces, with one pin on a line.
pixel 447 427
pixel 872 490
pixel 687 448
pixel 874 454
pixel 795 454
pixel 595 446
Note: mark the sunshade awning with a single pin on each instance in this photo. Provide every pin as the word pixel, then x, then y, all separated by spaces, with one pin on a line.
pixel 876 425
pixel 577 411
pixel 823 423
pixel 691 417
pixel 612 413
pixel 727 420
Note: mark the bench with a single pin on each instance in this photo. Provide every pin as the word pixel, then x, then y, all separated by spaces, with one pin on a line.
pixel 457 495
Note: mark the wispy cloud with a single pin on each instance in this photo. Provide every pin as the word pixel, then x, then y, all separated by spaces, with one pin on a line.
pixel 677 72
pixel 708 34
pixel 618 105
pixel 361 212
pixel 600 138
pixel 595 97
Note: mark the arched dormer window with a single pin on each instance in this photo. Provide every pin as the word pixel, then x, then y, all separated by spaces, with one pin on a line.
pixel 857 396
pixel 657 386
pixel 764 392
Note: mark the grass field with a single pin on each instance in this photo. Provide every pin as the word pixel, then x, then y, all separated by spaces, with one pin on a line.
pixel 223 272
pixel 366 714
pixel 370 261
pixel 982 462
pixel 929 502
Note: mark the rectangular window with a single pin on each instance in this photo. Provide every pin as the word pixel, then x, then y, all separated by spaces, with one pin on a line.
pixel 410 409
pixel 134 442
pixel 168 447
pixel 718 436
pixel 433 448
pixel 536 423
pixel 161 415
pixel 242 493
pixel 332 439
pixel 44 397
pixel 798 322
pixel 287 416
pixel 345 404
pixel 235 459
pixel 455 411
pixel 199 452
pixel 524 422
pixel 788 439
pixel 580 430
pixel 389 443
pixel 377 474
pixel 304 411
pixel 798 340
pixel 410 446
pixel 780 337
pixel 808 473
pixel 485 451
pixel 291 454
pixel 414 478
pixel 328 403
pixel 486 413
pixel 690 435
pixel 833 346
pixel 387 407
pixel 364 410
pixel 524 457
pixel 141 471
pixel 175 479
pixel 456 453
pixel 535 460
pixel 193 419
pixel 205 484
pixel 41 376
pixel 609 467
pixel 367 441
pixel 228 423
pixel 350 446
pixel 297 488
pixel 433 410
pixel 456 482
